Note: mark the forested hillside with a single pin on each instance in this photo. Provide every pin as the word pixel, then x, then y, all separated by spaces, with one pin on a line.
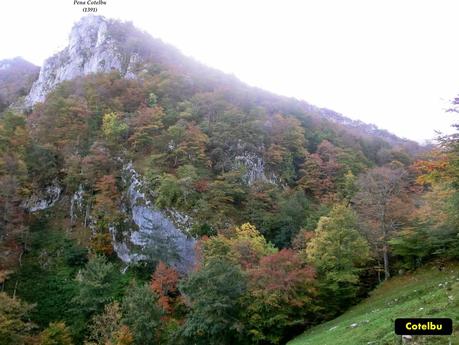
pixel 16 78
pixel 148 199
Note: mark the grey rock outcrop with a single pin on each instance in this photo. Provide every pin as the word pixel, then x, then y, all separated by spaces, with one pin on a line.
pixel 154 230
pixel 92 48
pixel 43 199
pixel 254 169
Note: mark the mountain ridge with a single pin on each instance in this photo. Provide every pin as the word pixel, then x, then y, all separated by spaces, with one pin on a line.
pixel 16 78
pixel 94 47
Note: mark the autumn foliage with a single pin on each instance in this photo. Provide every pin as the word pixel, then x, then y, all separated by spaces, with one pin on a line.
pixel 164 283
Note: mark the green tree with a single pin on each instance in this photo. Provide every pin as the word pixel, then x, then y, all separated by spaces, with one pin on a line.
pixel 14 186
pixel 226 194
pixel 178 191
pixel 289 128
pixel 42 165
pixel 244 246
pixel 152 100
pixel 293 209
pixel 114 128
pixel 338 251
pixel 141 313
pixel 96 285
pixel 412 245
pixel 348 187
pixel 214 295
pixel 169 193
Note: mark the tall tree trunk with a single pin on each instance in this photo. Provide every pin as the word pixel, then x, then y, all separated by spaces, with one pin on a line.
pixel 386 261
pixel 385 248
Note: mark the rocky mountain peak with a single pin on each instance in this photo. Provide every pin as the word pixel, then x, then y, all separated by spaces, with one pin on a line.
pixel 92 48
pixel 90 32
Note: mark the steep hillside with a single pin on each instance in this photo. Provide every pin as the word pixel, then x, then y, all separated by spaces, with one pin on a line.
pixel 192 134
pixel 16 78
pixel 427 292
pixel 97 45
pixel 146 198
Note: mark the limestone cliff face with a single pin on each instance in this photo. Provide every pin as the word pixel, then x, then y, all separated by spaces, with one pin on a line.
pixel 154 229
pixel 93 47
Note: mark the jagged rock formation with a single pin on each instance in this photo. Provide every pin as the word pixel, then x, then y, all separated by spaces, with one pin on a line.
pixel 44 199
pixel 153 228
pixel 150 226
pixel 76 203
pixel 94 46
pixel 254 168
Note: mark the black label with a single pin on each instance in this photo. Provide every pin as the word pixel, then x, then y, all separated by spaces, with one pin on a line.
pixel 425 326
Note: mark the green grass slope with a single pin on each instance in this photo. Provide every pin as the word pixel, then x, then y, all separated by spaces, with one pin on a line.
pixel 426 293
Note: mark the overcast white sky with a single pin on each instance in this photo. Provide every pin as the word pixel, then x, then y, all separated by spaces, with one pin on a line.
pixel 391 63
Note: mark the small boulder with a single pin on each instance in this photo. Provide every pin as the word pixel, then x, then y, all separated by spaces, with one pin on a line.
pixel 406 338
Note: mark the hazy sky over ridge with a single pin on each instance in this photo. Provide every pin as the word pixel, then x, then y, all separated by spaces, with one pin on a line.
pixel 391 63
